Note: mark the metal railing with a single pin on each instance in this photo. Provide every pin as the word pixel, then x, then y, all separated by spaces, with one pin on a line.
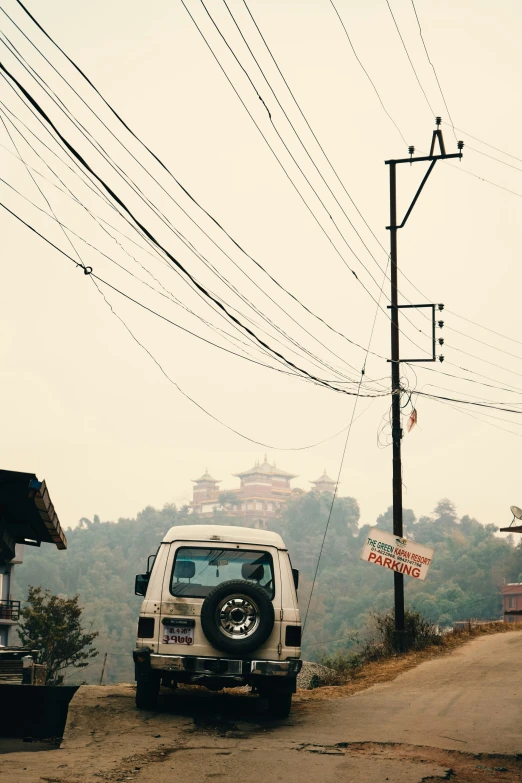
pixel 9 610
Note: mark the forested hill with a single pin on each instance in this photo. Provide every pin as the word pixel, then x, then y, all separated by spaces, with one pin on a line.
pixel 469 567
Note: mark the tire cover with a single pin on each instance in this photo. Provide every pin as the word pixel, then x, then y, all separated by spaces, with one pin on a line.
pixel 237 616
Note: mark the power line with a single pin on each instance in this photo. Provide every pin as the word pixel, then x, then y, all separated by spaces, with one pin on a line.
pixel 172 258
pixel 409 58
pixel 475 323
pixel 202 258
pixel 477 418
pixel 320 382
pixel 492 157
pixel 468 402
pixel 95 277
pixel 197 404
pixel 342 460
pixel 336 249
pixel 293 127
pixel 486 143
pixel 187 193
pixel 142 195
pixel 164 318
pixel 167 295
pixel 312 213
pixel 433 67
pixel 472 338
pixel 366 72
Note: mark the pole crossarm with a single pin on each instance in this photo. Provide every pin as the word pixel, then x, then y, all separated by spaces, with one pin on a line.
pixel 434 159
pixel 425 157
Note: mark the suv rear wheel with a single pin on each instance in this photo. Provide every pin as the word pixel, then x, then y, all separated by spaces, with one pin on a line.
pixel 279 704
pixel 147 691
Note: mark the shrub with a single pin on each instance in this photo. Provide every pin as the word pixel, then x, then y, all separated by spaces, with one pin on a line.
pixel 337 669
pixel 419 632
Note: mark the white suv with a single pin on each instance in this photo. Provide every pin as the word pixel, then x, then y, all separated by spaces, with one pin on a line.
pixel 220 610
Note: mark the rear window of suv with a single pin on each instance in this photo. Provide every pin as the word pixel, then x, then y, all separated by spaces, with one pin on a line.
pixel 197 570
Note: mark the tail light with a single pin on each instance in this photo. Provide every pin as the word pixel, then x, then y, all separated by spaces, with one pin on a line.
pixel 293 636
pixel 146 628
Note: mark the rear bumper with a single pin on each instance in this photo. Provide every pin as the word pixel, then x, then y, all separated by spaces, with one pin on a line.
pixel 145 660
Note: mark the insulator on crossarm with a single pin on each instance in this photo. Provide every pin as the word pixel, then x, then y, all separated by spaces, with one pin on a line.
pixel 441 358
pixel 441 307
pixel 438 120
pixel 441 324
pixel 441 340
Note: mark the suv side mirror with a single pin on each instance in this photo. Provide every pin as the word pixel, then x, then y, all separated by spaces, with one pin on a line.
pixel 141 583
pixel 295 574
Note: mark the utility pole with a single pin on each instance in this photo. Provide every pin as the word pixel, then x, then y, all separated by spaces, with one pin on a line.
pixel 398 579
pixel 103 668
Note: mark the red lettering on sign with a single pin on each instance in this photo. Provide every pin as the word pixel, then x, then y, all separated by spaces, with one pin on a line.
pixel 378 560
pixel 406 569
pixel 371 556
pixel 387 562
pixel 416 572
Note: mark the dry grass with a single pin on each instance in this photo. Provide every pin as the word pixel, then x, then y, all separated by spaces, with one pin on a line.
pixel 387 669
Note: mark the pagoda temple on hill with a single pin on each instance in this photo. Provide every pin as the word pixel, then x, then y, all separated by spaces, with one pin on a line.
pixel 263 490
pixel 324 483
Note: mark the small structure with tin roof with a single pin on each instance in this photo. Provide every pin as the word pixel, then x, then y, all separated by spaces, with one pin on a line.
pixel 27 518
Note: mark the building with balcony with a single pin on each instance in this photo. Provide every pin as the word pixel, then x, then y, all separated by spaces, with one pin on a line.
pixel 512 602
pixel 27 518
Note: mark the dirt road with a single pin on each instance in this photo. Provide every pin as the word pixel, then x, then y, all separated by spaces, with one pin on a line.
pixel 457 717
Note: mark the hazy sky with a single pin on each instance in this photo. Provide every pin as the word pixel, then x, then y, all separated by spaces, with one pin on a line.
pixel 88 410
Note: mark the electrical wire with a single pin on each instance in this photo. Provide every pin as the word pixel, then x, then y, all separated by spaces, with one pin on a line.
pixel 95 278
pixel 486 143
pixel 475 323
pixel 127 127
pixel 409 58
pixel 336 249
pixel 334 495
pixel 296 132
pixel 224 280
pixel 140 225
pixel 494 407
pixel 93 85
pixel 183 239
pixel 312 213
pixel 433 67
pixel 477 418
pixel 366 72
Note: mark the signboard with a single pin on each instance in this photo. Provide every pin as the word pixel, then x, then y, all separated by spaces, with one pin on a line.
pixel 397 554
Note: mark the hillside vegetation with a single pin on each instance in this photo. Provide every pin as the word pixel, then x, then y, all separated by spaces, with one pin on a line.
pixel 469 567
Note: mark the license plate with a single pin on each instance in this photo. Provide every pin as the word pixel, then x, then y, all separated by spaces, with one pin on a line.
pixel 174 634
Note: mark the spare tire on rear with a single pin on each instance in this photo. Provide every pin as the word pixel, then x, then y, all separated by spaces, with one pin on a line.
pixel 237 617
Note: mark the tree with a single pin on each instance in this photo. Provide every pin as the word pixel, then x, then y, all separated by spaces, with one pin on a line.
pixel 228 500
pixel 53 625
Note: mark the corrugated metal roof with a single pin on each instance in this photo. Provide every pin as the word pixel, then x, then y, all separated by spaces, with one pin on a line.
pixel 26 510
